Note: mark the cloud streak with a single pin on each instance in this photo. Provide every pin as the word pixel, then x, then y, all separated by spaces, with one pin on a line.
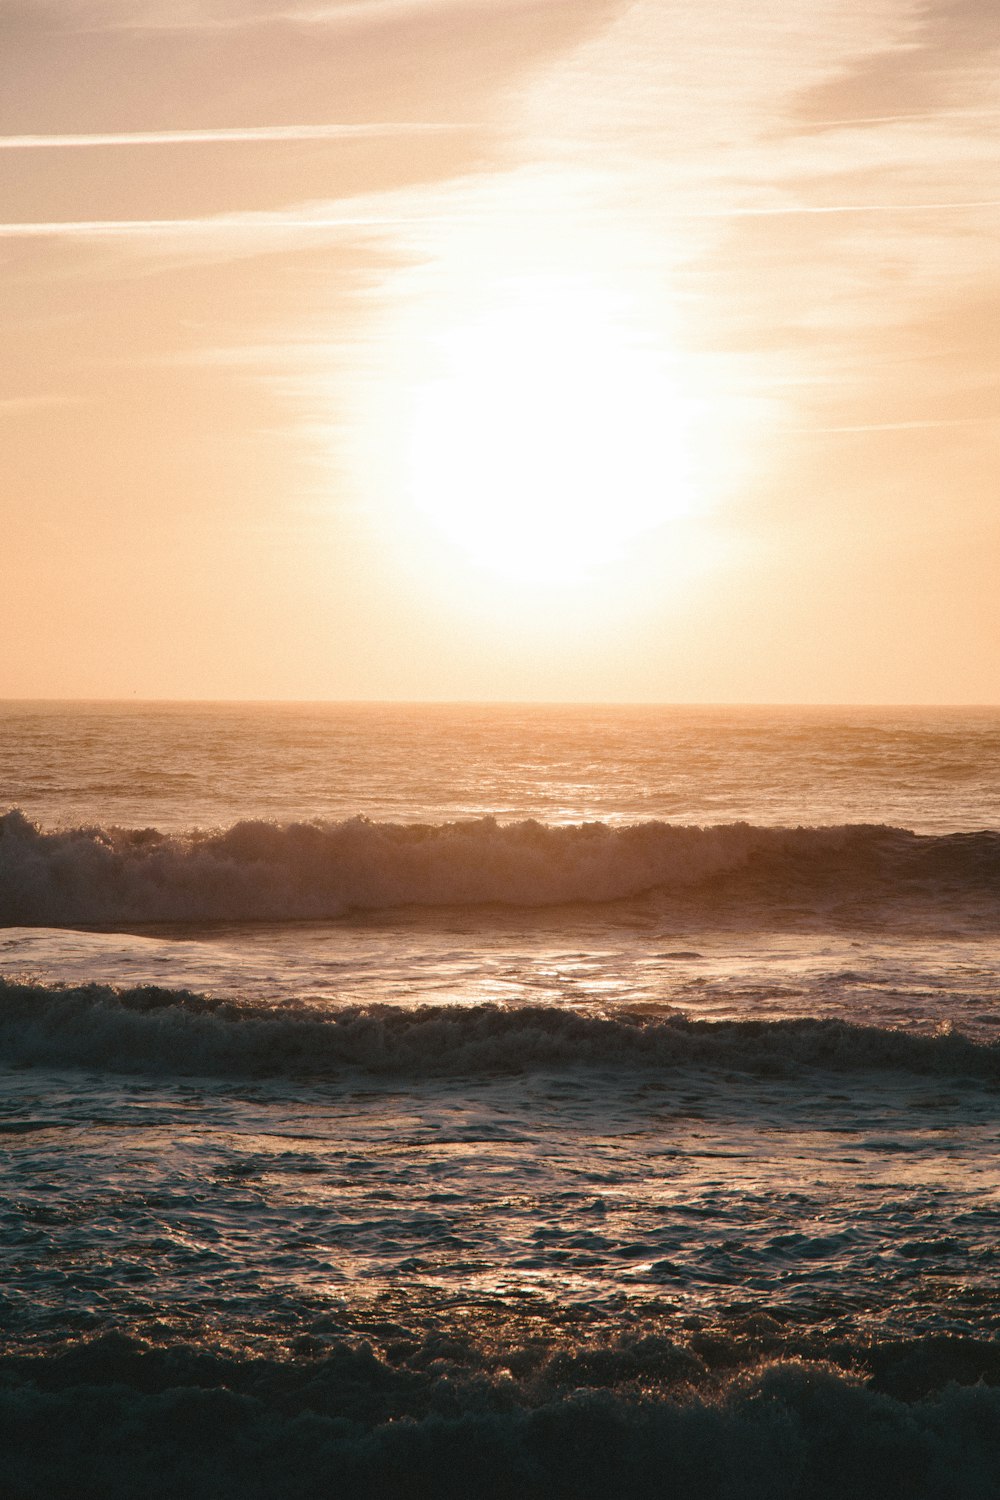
pixel 795 209
pixel 248 223
pixel 235 135
pixel 103 228
pixel 917 425
pixel 241 17
pixel 934 116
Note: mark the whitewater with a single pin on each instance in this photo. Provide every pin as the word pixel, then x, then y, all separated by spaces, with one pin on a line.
pixel 591 1101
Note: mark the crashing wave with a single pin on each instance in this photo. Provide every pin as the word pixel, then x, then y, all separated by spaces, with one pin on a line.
pixel 116 1419
pixel 154 1030
pixel 260 871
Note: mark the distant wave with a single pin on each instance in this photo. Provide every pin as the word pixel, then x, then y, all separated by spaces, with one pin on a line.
pixel 259 871
pixel 154 1030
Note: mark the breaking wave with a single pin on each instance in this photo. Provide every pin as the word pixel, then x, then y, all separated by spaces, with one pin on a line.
pixel 154 1030
pixel 115 1419
pixel 260 871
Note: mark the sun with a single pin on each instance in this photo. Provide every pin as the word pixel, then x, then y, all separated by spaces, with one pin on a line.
pixel 547 431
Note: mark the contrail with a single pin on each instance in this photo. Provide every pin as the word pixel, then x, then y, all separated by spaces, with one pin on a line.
pixel 915 426
pixel 100 228
pixel 230 135
pixel 945 116
pixel 83 228
pixel 799 209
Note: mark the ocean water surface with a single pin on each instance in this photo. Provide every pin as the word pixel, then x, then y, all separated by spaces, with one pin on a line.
pixel 499 1100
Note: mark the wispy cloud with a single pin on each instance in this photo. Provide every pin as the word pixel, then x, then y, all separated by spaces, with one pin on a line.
pixel 223 17
pixel 236 224
pixel 270 223
pixel 918 425
pixel 938 58
pixel 236 134
pixel 794 209
pixel 937 117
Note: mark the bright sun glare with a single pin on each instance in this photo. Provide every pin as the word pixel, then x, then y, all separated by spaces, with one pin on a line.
pixel 546 433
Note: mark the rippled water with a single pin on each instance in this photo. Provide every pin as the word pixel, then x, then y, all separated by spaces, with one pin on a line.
pixel 466 1149
pixel 180 766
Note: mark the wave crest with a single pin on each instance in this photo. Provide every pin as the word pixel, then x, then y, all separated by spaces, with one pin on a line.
pixel 117 1419
pixel 153 1030
pixel 260 871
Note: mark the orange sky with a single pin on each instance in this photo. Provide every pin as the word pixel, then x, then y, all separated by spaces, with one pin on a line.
pixel 555 349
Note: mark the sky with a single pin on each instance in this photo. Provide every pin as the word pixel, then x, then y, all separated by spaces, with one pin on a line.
pixel 500 349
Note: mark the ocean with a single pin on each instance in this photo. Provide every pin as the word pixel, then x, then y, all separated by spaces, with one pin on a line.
pixel 499 1101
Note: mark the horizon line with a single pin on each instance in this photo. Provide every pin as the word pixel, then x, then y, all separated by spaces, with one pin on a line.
pixel 135 701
